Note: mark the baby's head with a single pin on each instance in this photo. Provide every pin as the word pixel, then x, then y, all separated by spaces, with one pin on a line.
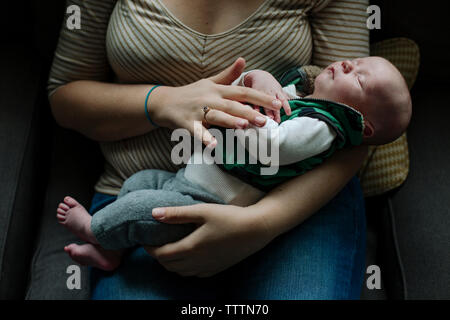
pixel 374 87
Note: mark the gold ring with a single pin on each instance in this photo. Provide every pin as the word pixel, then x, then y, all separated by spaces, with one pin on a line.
pixel 205 111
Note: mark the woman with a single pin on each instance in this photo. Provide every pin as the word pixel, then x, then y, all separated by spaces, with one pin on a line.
pixel 293 244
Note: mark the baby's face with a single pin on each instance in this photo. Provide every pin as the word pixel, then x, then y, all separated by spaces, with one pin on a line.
pixel 374 87
pixel 352 82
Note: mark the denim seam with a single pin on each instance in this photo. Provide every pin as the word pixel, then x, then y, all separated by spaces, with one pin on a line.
pixel 397 249
pixel 353 255
pixel 354 249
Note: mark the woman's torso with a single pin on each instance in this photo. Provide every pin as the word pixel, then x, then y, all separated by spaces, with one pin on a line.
pixel 160 42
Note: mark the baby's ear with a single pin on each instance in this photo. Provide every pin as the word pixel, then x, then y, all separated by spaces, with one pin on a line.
pixel 368 129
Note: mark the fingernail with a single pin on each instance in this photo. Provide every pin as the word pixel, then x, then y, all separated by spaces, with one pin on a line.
pixel 212 144
pixel 158 213
pixel 276 103
pixel 260 120
pixel 241 123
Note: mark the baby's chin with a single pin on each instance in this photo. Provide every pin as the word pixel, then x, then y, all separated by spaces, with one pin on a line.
pixel 321 78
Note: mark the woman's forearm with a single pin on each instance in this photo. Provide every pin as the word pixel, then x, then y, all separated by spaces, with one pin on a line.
pixel 104 111
pixel 294 201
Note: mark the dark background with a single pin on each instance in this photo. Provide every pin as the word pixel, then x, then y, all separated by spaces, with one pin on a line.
pixel 408 229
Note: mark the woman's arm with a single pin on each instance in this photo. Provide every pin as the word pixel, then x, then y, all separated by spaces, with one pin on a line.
pixel 82 99
pixel 228 234
pixel 102 111
pixel 299 198
pixel 106 111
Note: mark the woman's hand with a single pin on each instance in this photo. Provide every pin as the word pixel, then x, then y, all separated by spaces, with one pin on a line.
pixel 225 235
pixel 182 107
pixel 263 81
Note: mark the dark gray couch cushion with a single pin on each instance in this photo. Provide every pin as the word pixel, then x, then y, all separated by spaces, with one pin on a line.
pixel 20 170
pixel 373 256
pixel 422 205
pixel 76 164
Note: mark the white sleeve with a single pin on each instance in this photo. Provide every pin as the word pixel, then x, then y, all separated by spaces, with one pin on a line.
pixel 296 139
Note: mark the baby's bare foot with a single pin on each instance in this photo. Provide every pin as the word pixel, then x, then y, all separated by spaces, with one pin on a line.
pixel 74 216
pixel 95 256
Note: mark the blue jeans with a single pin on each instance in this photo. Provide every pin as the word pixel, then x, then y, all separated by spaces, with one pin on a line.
pixel 322 258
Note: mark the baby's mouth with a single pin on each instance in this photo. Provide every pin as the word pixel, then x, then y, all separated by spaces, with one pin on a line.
pixel 332 72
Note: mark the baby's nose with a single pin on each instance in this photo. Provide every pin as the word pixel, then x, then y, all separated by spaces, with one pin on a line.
pixel 347 66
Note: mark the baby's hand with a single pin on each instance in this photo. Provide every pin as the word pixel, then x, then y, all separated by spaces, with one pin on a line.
pixel 265 82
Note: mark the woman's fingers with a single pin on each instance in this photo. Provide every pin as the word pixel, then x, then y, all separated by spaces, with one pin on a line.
pixel 231 73
pixel 168 252
pixel 199 131
pixel 239 110
pixel 173 251
pixel 176 215
pixel 250 95
pixel 222 119
pixel 276 116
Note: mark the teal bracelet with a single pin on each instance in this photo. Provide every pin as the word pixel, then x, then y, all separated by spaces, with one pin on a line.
pixel 146 104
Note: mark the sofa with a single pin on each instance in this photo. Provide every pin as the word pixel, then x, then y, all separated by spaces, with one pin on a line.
pixel 408 234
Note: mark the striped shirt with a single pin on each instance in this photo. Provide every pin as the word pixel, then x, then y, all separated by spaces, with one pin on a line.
pixel 141 41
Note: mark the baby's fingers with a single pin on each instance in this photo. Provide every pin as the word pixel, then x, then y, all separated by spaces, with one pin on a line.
pixel 285 103
pixel 276 116
pixel 270 113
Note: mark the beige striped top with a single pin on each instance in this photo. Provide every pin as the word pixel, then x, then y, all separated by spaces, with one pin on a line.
pixel 141 41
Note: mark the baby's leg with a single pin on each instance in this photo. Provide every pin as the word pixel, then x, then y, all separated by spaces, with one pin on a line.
pixel 151 179
pixel 128 221
pixel 74 217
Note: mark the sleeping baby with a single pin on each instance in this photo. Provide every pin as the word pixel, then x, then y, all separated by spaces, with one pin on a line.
pixel 362 101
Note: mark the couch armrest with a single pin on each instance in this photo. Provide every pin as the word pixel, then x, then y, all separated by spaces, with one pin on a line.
pixel 76 164
pixel 21 165
pixel 421 207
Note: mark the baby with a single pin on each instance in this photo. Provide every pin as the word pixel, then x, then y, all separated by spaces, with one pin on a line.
pixel 365 100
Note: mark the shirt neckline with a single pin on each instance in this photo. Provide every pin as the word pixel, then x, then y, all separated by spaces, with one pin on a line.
pixel 174 19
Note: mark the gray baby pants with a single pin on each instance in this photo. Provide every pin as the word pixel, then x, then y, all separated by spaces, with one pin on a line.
pixel 128 221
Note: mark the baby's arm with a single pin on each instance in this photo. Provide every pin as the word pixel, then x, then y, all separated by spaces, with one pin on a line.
pixel 263 81
pixel 296 139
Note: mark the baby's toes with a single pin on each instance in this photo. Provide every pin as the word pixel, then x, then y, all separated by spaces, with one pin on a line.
pixel 63 206
pixel 60 215
pixel 71 249
pixel 71 202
